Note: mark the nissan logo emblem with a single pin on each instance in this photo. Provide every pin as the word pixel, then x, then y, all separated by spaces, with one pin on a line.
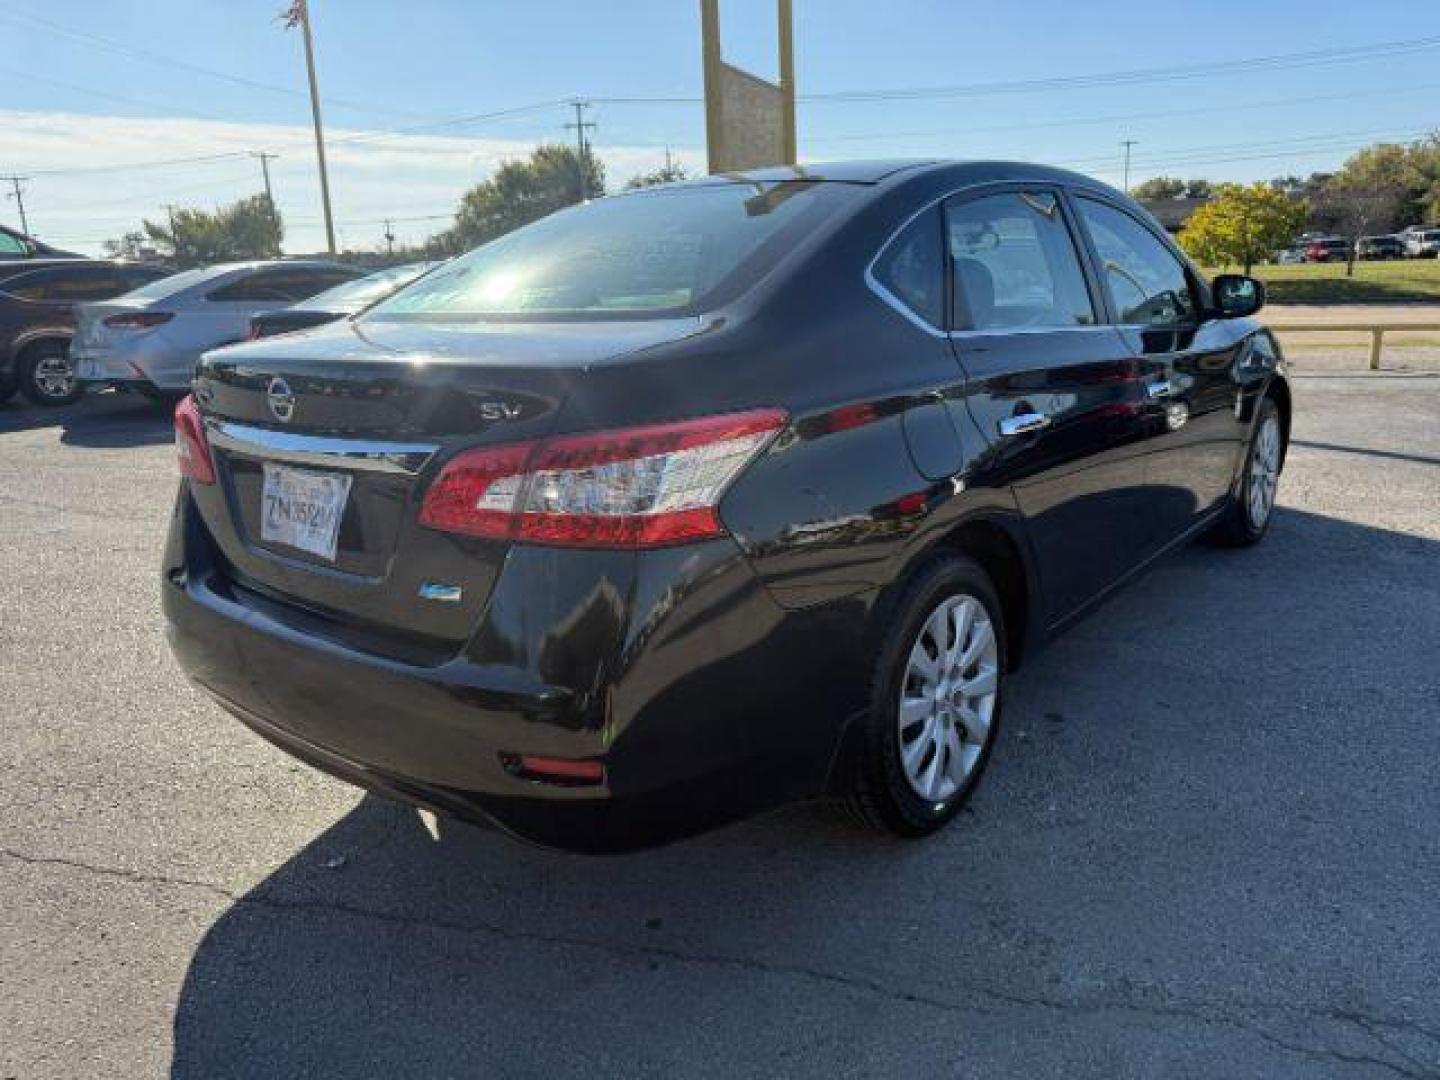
pixel 281 399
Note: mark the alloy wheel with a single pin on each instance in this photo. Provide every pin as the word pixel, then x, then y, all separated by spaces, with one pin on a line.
pixel 947 698
pixel 1264 472
pixel 54 375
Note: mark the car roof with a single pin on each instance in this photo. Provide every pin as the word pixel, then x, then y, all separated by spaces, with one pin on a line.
pixel 976 171
pixel 293 264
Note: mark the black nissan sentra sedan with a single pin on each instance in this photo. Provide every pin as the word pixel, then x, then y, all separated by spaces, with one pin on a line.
pixel 700 499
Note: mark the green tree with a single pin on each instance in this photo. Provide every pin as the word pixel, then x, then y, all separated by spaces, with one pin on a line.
pixel 521 192
pixel 1242 225
pixel 1159 187
pixel 132 245
pixel 668 173
pixel 1370 193
pixel 1423 181
pixel 247 229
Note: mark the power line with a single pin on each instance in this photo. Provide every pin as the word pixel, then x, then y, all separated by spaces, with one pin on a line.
pixel 1123 118
pixel 1279 61
pixel 29 21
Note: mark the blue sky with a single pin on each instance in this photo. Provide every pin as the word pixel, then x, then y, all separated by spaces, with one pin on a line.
pixel 120 83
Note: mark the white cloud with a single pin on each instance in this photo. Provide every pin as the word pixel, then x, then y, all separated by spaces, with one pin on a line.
pixel 371 177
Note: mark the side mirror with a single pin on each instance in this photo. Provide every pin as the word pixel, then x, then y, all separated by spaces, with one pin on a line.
pixel 1237 296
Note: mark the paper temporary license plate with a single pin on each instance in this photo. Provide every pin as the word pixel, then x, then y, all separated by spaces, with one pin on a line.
pixel 303 509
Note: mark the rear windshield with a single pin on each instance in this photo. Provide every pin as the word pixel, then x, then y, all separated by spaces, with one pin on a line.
pixel 670 251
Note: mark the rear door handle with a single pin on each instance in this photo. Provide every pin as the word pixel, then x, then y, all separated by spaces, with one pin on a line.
pixel 1023 423
pixel 1158 388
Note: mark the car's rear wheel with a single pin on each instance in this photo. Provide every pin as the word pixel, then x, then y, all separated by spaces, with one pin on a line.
pixel 1248 516
pixel 935 699
pixel 47 375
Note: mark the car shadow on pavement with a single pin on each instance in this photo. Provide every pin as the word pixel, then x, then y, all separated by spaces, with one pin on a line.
pixel 1158 866
pixel 97 421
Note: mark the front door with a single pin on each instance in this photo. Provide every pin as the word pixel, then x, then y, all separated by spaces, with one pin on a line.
pixel 1187 367
pixel 1054 389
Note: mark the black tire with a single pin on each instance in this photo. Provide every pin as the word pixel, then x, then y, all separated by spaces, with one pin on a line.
pixel 46 375
pixel 7 387
pixel 1237 526
pixel 880 794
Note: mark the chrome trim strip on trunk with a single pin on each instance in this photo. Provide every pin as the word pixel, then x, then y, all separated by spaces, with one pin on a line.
pixel 324 451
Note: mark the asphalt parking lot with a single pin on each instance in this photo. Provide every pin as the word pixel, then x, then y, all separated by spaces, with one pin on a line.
pixel 1209 844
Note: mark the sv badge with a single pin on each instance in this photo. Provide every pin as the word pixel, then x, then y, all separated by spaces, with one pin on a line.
pixel 500 410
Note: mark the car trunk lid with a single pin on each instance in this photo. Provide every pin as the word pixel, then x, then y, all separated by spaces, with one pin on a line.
pixel 374 409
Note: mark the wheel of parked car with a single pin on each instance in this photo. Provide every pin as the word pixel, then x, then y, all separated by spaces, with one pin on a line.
pixel 7 387
pixel 46 375
pixel 1249 515
pixel 934 701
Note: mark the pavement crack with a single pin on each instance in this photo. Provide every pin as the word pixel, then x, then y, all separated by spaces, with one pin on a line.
pixel 1209 1013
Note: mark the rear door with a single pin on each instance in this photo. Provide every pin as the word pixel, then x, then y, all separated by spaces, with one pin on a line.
pixel 1053 387
pixel 1187 365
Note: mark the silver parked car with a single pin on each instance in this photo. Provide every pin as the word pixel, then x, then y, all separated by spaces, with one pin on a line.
pixel 150 339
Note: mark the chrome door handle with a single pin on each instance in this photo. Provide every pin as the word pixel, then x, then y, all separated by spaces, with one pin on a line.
pixel 1158 388
pixel 1023 424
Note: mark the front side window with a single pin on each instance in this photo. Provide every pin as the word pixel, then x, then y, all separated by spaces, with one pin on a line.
pixel 662 252
pixel 1148 284
pixel 12 245
pixel 1015 264
pixel 912 268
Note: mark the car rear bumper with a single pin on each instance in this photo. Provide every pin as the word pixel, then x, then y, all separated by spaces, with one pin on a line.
pixel 162 371
pixel 698 720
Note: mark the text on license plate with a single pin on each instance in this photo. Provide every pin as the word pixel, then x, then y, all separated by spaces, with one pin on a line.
pixel 303 509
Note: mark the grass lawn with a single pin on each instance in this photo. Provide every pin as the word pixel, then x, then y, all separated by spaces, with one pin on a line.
pixel 1326 283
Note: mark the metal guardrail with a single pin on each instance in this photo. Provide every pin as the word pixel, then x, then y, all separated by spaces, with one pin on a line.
pixel 1375 330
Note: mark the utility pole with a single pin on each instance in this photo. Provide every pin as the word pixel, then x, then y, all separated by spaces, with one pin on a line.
pixel 582 144
pixel 299 14
pixel 787 83
pixel 389 238
pixel 19 197
pixel 174 237
pixel 265 160
pixel 1127 143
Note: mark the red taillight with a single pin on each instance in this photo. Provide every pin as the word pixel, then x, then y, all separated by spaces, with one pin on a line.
pixel 192 449
pixel 138 320
pixel 638 487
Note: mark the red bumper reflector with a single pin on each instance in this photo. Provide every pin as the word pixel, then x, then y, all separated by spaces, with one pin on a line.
pixel 574 771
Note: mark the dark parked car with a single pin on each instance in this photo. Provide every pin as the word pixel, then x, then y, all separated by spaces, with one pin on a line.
pixel 16 245
pixel 338 303
pixel 1380 247
pixel 699 499
pixel 1332 249
pixel 37 319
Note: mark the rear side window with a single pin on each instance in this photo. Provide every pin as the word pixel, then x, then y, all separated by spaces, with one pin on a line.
pixel 1148 284
pixel 280 286
pixel 1015 264
pixel 912 268
pixel 66 285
